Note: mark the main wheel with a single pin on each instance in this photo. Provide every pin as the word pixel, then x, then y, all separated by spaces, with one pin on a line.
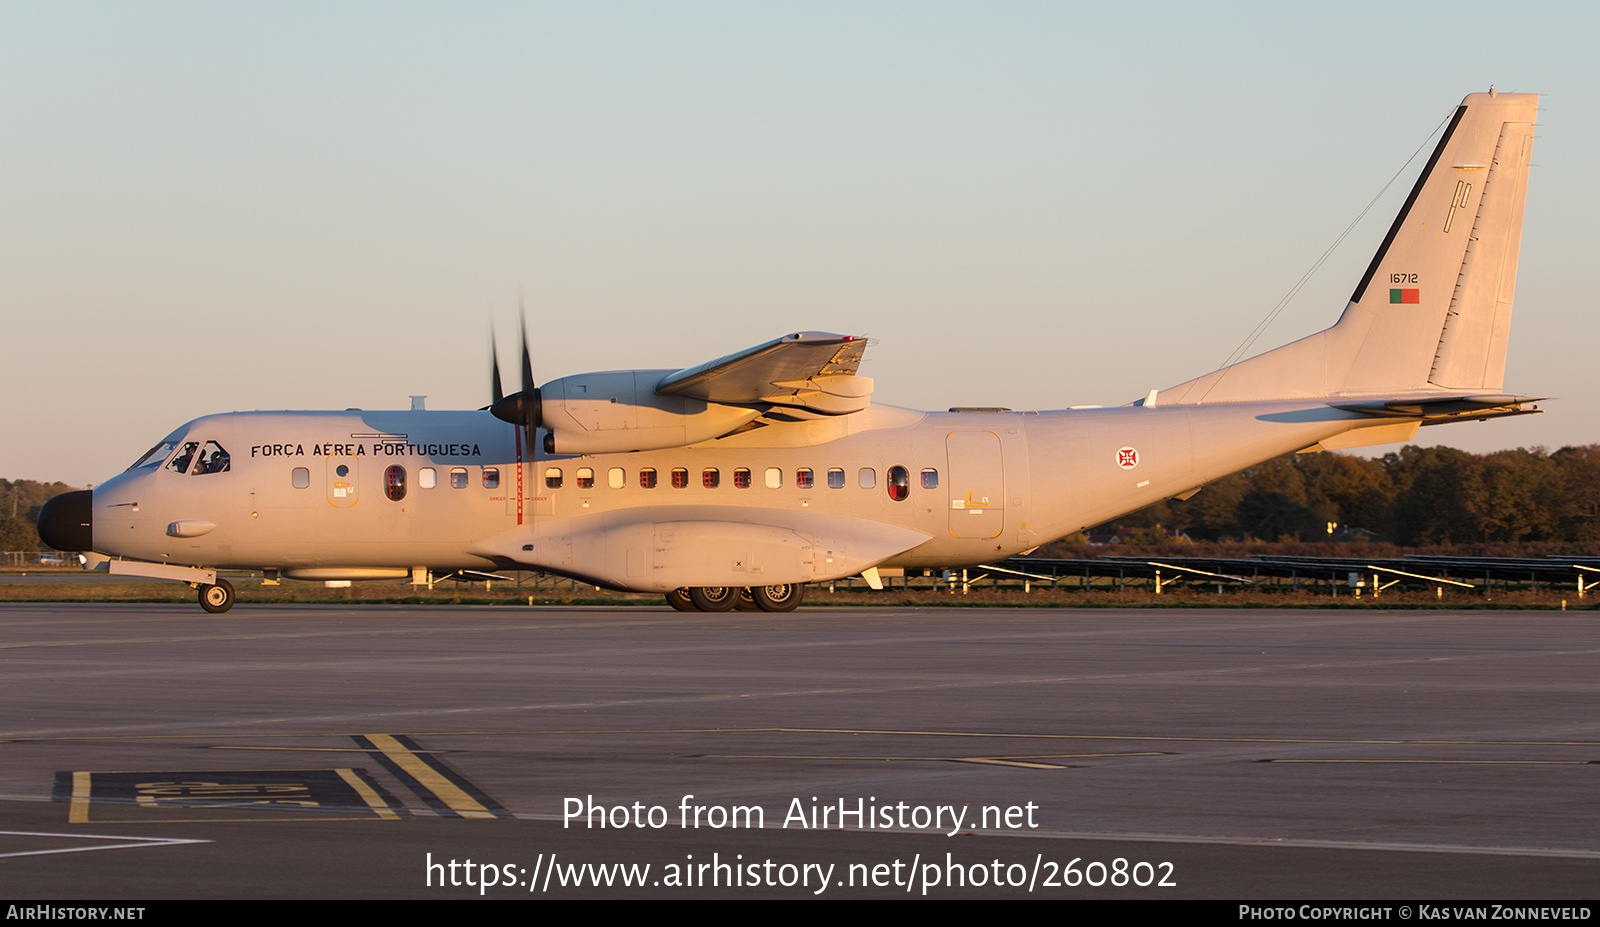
pixel 217 599
pixel 714 598
pixel 782 597
pixel 679 599
pixel 747 601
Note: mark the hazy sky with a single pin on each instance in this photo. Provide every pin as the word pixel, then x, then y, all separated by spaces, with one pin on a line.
pixel 208 207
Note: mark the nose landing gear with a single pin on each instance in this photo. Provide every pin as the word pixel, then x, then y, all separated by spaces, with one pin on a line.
pixel 217 599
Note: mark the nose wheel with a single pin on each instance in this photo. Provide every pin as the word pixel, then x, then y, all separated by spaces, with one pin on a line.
pixel 217 599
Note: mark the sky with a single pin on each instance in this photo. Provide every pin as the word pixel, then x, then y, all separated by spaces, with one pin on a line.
pixel 214 207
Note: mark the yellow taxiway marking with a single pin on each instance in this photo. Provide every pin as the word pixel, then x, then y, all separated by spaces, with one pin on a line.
pixel 445 790
pixel 79 811
pixel 368 795
pixel 82 799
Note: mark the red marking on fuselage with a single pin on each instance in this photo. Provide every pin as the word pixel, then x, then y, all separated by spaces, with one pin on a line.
pixel 519 474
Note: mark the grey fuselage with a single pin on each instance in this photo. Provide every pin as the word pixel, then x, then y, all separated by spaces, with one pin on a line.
pixel 979 486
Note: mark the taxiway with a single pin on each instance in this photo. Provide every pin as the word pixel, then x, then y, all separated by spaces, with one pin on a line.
pixel 307 752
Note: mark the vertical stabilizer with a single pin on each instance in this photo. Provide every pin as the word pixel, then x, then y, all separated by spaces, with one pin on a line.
pixel 1433 311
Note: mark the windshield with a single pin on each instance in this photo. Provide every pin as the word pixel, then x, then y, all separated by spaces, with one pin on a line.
pixel 154 457
pixel 158 455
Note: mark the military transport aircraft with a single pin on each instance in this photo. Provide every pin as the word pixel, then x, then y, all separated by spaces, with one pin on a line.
pixel 762 471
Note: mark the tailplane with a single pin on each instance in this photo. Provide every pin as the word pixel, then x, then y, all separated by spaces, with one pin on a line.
pixel 1433 312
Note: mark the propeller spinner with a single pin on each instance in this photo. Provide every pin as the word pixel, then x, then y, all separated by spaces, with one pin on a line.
pixel 522 407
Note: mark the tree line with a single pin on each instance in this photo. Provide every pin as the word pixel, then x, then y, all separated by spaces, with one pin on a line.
pixel 20 502
pixel 1417 496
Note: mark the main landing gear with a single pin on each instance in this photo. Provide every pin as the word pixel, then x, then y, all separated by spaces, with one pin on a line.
pixel 780 597
pixel 217 599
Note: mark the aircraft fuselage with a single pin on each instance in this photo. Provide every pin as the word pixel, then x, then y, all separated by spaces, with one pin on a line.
pixel 353 494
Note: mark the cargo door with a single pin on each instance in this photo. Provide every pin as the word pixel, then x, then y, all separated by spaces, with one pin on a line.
pixel 977 487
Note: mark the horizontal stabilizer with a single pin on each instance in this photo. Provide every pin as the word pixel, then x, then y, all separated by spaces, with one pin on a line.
pixel 1433 410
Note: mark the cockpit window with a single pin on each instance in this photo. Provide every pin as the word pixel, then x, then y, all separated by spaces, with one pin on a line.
pixel 180 463
pixel 154 457
pixel 213 459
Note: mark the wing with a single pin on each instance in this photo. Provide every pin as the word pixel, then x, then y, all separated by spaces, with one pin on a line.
pixel 809 370
pixel 796 377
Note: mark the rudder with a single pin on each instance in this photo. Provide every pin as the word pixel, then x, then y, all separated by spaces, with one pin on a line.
pixel 1434 308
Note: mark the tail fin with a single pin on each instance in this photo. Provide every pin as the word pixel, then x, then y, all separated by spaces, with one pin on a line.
pixel 1433 311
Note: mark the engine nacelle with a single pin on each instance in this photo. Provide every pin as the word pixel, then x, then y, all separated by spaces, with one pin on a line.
pixel 619 411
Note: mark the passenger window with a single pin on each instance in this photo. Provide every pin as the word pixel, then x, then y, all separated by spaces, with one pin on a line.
pixel 615 478
pixel 491 477
pixel 930 478
pixel 647 478
pixel 869 477
pixel 394 483
pixel 680 478
pixel 710 478
pixel 774 478
pixel 552 478
pixel 899 483
pixel 213 459
pixel 300 477
pixel 427 477
pixel 803 478
pixel 180 463
pixel 741 478
pixel 585 477
pixel 835 478
pixel 458 477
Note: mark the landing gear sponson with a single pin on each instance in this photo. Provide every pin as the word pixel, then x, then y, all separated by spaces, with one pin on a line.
pixel 781 597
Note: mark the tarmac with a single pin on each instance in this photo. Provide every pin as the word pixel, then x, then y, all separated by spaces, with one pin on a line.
pixel 158 752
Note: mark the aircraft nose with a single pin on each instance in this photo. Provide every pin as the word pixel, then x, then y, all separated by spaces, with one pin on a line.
pixel 67 521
